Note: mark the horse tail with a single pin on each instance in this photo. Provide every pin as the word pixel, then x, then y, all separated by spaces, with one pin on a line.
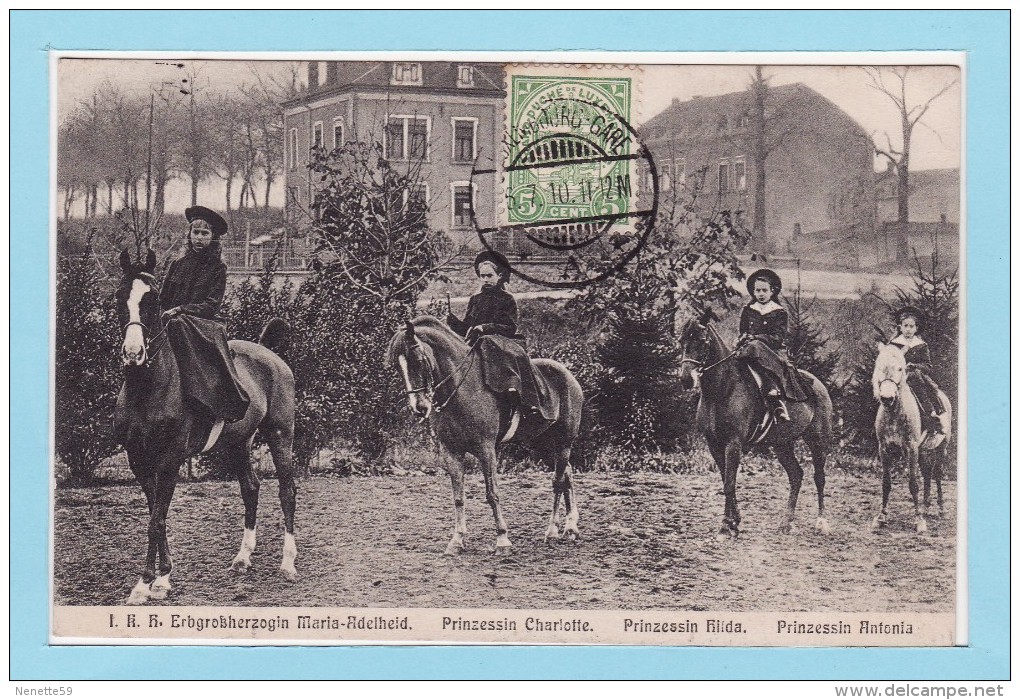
pixel 275 335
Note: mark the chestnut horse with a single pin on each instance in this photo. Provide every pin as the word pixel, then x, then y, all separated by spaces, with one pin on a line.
pixel 442 376
pixel 159 430
pixel 898 428
pixel 729 410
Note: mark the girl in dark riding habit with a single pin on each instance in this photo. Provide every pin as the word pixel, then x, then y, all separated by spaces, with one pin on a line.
pixel 492 313
pixel 918 357
pixel 194 288
pixel 762 342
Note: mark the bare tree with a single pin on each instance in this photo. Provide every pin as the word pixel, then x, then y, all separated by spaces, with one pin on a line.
pixel 892 82
pixel 769 127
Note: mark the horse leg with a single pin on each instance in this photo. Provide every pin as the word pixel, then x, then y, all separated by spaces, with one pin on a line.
pixel 911 456
pixel 727 457
pixel 884 457
pixel 281 446
pixel 924 463
pixel 166 483
pixel 240 464
pixel 563 486
pixel 788 458
pixel 937 463
pixel 819 455
pixel 487 458
pixel 455 468
pixel 142 590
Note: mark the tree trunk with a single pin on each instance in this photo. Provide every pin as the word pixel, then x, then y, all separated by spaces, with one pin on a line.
pixel 109 198
pixel 95 200
pixel 761 240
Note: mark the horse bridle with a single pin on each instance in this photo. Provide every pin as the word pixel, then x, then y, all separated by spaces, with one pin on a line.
pixel 430 374
pixel 700 364
pixel 149 354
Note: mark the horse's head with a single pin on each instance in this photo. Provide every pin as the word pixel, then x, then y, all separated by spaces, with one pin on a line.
pixel 890 373
pixel 417 366
pixel 695 349
pixel 137 306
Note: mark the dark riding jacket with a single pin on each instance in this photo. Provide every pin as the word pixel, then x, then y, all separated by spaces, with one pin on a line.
pixel 493 309
pixel 770 328
pixel 196 283
pixel 919 378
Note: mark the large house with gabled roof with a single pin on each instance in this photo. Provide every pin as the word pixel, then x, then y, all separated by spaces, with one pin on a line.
pixel 448 115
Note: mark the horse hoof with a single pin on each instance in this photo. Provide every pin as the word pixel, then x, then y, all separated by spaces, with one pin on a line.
pixel 786 529
pixel 240 566
pixel 453 549
pixel 877 523
pixel 571 535
pixel 139 594
pixel 503 549
pixel 159 593
pixel 822 525
pixel 922 526
pixel 289 574
pixel 553 533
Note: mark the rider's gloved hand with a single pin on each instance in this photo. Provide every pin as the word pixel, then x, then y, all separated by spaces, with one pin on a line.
pixel 473 334
pixel 170 313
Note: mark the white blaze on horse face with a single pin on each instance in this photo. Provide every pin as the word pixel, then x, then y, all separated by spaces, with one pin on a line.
pixel 134 338
pixel 412 397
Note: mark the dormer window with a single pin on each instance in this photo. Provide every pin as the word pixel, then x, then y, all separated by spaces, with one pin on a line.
pixel 744 121
pixel 465 76
pixel 406 74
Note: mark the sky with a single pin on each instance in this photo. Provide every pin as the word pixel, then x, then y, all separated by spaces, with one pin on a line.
pixel 936 142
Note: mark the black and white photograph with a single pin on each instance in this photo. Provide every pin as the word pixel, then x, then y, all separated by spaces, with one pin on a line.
pixel 477 348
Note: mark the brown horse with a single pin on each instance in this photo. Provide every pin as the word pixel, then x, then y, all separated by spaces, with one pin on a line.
pixel 729 410
pixel 898 428
pixel 159 430
pixel 443 378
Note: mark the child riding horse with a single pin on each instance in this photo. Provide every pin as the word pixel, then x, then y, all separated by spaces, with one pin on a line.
pixel 919 370
pixel 193 294
pixel 492 315
pixel 762 341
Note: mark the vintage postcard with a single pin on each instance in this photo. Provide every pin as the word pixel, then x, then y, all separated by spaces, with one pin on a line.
pixel 648 349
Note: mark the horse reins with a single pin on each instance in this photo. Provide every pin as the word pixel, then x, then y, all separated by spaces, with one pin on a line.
pixel 149 354
pixel 432 392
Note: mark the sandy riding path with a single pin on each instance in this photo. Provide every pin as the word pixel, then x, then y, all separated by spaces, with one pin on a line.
pixel 648 542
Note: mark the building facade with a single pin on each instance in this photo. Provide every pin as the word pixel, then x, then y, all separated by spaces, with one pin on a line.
pixel 819 172
pixel 445 116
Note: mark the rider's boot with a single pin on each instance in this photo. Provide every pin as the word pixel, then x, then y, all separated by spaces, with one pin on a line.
pixel 778 405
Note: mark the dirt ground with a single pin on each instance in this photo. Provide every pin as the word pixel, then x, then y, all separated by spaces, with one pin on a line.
pixel 648 541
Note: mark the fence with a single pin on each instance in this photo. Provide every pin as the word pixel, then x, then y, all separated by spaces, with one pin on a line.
pixel 288 257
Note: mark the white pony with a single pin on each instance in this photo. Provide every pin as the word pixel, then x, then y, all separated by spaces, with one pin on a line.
pixel 900 434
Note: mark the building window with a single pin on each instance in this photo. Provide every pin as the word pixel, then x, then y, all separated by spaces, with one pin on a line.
pixel 292 150
pixel 724 123
pixel 724 176
pixel 745 121
pixel 464 132
pixel 463 203
pixel 740 175
pixel 416 198
pixel 680 175
pixel 465 76
pixel 406 74
pixel 316 135
pixel 407 138
pixel 322 72
pixel 338 132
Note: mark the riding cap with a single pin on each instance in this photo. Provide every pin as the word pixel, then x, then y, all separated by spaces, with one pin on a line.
pixel 500 262
pixel 217 223
pixel 769 276
pixel 914 313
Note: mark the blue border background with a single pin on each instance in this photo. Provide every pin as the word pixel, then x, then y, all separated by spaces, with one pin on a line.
pixel 983 35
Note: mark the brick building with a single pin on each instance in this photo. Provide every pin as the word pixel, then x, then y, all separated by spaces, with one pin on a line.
pixel 819 178
pixel 448 114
